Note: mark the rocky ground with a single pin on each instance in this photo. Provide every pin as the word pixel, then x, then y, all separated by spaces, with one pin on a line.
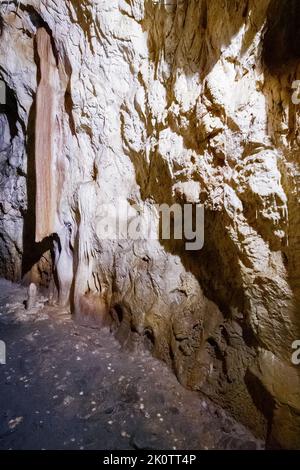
pixel 69 387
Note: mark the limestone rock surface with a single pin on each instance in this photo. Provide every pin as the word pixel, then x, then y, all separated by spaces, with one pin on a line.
pixel 146 103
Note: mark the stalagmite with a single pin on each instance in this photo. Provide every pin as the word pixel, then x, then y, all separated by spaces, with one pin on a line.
pixel 31 297
pixel 64 264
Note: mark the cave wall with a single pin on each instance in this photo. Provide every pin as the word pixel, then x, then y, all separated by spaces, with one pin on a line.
pixel 144 103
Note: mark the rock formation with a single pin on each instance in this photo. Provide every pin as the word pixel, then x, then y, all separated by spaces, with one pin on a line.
pixel 145 103
pixel 31 296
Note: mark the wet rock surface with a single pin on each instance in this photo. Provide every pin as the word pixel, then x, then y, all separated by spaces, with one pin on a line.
pixel 65 386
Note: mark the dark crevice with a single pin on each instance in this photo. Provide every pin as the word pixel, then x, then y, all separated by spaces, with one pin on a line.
pixel 281 42
pixel 10 109
pixel 149 339
pixel 1 25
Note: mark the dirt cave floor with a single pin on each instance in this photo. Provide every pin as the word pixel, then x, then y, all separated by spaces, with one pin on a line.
pixel 69 387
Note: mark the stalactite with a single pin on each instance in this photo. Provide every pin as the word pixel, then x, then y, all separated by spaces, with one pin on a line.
pixel 46 108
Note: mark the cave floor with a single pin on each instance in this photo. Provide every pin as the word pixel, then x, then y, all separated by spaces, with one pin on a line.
pixel 65 386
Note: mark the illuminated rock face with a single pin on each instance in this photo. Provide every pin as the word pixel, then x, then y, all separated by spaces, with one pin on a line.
pixel 132 101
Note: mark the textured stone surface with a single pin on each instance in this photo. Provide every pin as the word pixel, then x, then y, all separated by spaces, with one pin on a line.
pixel 69 387
pixel 163 104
